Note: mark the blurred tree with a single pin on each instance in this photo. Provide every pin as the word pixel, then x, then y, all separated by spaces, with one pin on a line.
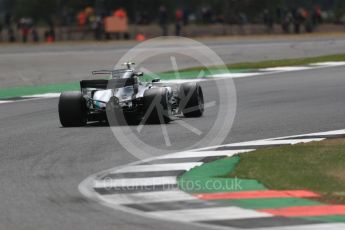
pixel 229 9
pixel 340 9
pixel 77 5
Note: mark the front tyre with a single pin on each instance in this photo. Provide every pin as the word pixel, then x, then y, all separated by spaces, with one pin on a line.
pixel 191 100
pixel 72 109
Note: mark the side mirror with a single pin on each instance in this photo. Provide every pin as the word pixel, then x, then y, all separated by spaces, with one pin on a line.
pixel 156 80
pixel 139 74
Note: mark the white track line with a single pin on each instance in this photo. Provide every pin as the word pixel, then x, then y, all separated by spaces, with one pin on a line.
pixel 307 140
pixel 4 102
pixel 268 142
pixel 180 81
pixel 130 182
pixel 237 75
pixel 288 68
pixel 148 197
pixel 204 154
pixel 159 167
pixel 272 142
pixel 209 214
pixel 45 95
pixel 194 153
pixel 278 70
pixel 334 132
pixel 328 64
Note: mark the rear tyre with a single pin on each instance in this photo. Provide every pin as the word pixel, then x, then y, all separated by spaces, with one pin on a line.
pixel 191 100
pixel 157 107
pixel 72 109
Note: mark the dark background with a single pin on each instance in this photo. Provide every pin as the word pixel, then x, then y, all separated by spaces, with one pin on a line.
pixel 64 11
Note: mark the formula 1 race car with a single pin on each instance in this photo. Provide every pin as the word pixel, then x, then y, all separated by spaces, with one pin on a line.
pixel 124 95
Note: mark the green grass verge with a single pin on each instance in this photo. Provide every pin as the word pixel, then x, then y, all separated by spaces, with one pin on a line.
pixel 193 74
pixel 287 62
pixel 316 166
pixel 210 178
pixel 280 63
pixel 264 203
pixel 327 218
pixel 31 90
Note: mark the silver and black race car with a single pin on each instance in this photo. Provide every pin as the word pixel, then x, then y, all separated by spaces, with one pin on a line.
pixel 123 95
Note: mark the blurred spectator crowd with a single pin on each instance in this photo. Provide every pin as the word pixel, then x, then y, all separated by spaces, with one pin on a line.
pixel 293 20
pixel 106 24
pixel 24 29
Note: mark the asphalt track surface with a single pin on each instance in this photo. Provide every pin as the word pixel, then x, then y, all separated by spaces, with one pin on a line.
pixel 42 164
pixel 27 65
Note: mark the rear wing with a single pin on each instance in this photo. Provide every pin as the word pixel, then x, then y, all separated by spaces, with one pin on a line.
pixel 108 84
pixel 99 72
pixel 97 84
pixel 112 83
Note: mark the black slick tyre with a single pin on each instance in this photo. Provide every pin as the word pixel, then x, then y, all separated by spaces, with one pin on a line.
pixel 72 109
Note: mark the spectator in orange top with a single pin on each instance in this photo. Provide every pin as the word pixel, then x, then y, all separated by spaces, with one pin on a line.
pixel 120 13
pixel 82 17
